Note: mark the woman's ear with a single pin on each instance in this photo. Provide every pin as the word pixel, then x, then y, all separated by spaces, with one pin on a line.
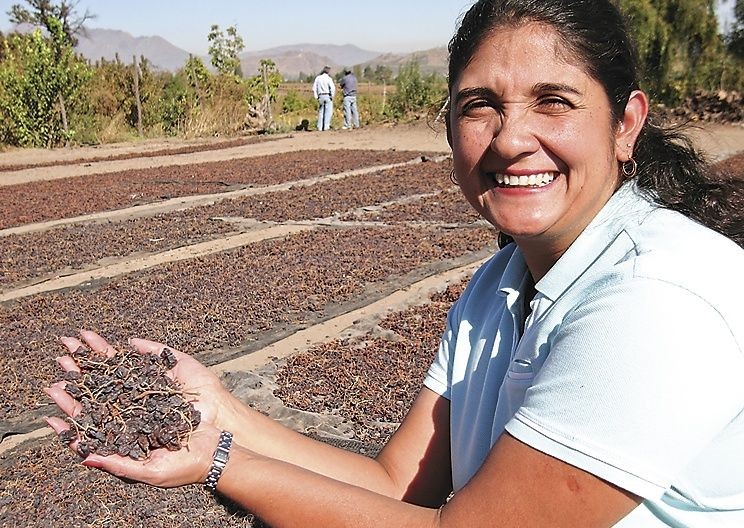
pixel 631 125
pixel 448 124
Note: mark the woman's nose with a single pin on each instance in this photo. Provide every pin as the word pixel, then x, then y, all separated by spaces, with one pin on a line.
pixel 514 138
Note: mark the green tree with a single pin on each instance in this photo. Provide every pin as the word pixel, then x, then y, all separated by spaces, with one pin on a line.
pixel 383 74
pixel 265 84
pixel 735 39
pixel 679 46
pixel 36 77
pixel 416 92
pixel 197 76
pixel 225 49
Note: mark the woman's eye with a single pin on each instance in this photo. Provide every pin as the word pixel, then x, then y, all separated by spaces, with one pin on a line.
pixel 554 103
pixel 475 106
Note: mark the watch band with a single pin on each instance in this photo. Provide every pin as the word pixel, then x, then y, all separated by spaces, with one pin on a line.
pixel 219 460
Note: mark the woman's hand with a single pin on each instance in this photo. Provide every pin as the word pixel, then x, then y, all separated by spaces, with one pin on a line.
pixel 163 468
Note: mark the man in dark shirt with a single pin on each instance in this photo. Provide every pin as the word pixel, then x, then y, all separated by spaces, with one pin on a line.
pixel 351 112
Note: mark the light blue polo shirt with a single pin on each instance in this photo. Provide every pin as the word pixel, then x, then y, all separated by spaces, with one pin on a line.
pixel 630 366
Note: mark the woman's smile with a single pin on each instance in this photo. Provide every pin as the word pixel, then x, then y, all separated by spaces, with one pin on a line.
pixel 533 180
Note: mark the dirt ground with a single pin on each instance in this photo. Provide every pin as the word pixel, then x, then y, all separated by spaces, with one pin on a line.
pixel 717 140
pixel 280 282
pixel 419 136
pixel 320 304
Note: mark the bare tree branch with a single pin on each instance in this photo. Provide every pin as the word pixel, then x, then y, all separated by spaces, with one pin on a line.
pixel 37 13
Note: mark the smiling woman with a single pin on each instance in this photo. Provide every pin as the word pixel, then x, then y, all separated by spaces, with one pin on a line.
pixel 510 124
pixel 589 375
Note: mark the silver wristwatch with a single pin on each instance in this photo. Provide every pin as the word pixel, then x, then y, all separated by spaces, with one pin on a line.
pixel 219 460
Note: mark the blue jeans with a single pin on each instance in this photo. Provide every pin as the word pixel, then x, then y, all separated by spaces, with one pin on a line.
pixel 325 112
pixel 351 113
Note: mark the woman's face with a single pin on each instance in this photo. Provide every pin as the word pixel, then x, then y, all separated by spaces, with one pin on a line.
pixel 532 139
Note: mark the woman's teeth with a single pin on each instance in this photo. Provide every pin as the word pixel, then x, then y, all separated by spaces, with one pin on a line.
pixel 533 180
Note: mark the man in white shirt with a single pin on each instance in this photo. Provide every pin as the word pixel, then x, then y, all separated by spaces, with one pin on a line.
pixel 323 90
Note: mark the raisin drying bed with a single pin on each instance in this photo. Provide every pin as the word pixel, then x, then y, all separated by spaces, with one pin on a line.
pixel 225 305
pixel 42 255
pixel 47 200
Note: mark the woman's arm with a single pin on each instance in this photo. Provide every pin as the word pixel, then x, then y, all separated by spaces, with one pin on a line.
pixel 517 486
pixel 319 485
pixel 413 466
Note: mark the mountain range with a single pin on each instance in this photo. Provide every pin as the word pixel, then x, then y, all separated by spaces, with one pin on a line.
pixel 291 60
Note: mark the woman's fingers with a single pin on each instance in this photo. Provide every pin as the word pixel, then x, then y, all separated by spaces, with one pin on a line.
pixel 69 405
pixel 97 343
pixel 93 341
pixel 71 343
pixel 67 364
pixel 114 464
pixel 145 346
pixel 60 426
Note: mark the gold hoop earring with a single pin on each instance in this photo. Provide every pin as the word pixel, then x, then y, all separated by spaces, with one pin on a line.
pixel 629 168
pixel 453 177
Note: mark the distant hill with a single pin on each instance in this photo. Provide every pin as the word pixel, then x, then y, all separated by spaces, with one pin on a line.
pixel 430 61
pixel 294 60
pixel 347 54
pixel 108 43
pixel 291 60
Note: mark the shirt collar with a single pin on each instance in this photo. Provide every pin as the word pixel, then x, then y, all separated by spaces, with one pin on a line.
pixel 515 273
pixel 625 206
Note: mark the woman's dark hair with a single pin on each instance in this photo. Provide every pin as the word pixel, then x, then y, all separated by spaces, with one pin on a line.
pixel 670 170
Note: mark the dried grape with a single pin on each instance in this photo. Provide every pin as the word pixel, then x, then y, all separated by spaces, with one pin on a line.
pixel 129 406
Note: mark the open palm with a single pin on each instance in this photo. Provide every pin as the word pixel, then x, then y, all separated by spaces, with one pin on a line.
pixel 163 467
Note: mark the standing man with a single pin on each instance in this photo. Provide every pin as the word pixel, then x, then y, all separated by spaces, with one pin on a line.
pixel 323 90
pixel 351 112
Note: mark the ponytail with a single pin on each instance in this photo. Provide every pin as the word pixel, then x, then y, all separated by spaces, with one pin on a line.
pixel 677 177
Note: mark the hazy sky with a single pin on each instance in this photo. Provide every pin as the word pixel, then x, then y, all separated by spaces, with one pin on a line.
pixel 376 25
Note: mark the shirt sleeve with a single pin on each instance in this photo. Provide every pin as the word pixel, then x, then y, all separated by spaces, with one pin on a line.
pixel 439 376
pixel 640 378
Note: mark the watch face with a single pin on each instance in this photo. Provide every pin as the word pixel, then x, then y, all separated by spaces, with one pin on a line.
pixel 221 456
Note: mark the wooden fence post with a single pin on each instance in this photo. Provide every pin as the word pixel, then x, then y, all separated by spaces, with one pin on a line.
pixel 137 95
pixel 267 95
pixel 65 126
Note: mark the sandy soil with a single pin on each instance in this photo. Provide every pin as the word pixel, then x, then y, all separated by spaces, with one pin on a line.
pixel 717 141
pixel 414 137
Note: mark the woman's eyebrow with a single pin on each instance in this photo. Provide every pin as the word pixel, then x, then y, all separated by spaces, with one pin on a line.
pixel 555 87
pixel 473 92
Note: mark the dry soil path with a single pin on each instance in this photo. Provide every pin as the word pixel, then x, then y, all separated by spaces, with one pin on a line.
pixel 415 137
pixel 717 141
